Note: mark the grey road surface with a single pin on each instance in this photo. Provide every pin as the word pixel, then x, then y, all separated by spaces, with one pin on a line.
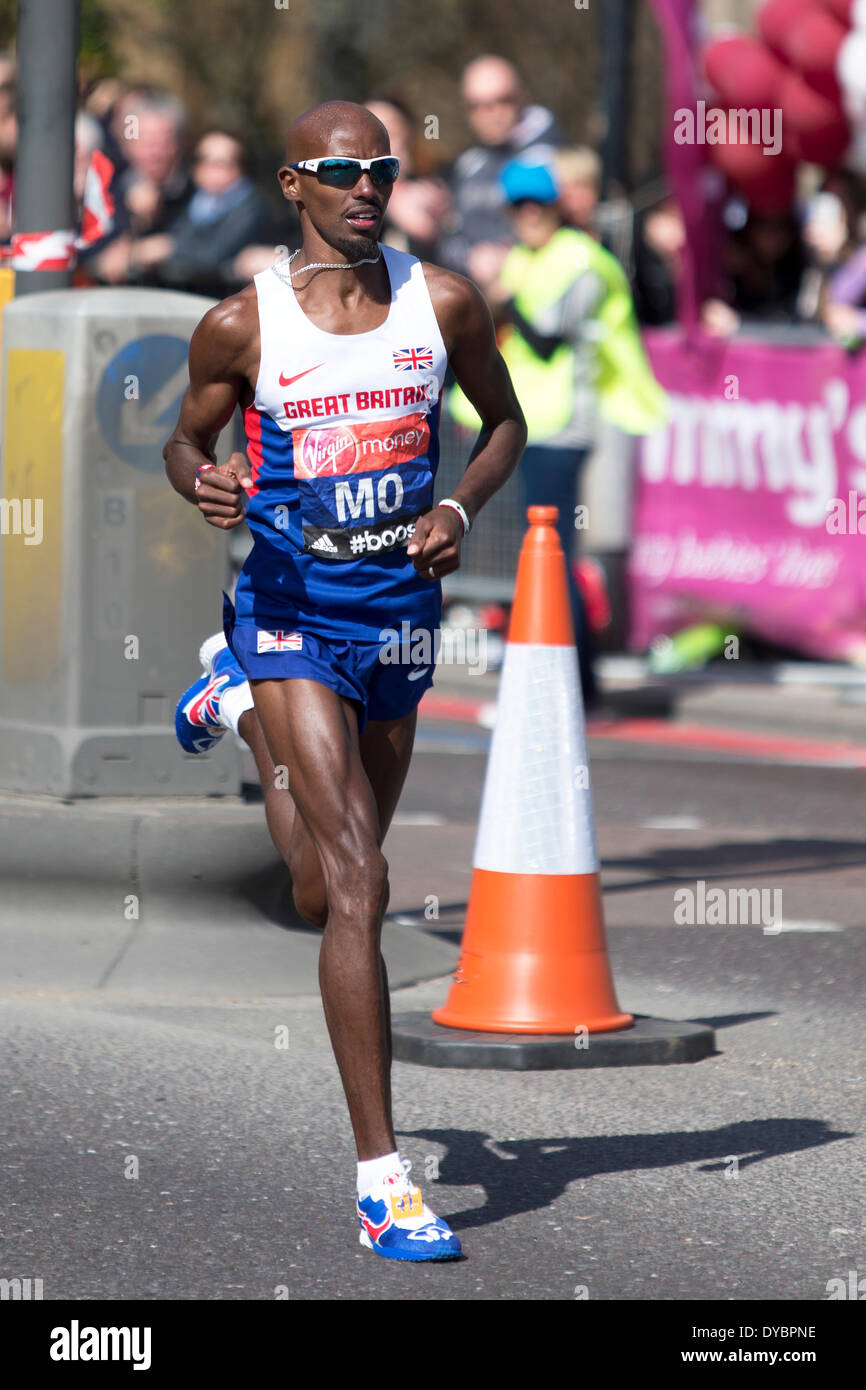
pixel 173 1125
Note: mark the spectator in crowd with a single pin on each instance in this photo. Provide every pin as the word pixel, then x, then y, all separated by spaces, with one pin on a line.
pixel 828 233
pixel 419 208
pixel 157 185
pixel 781 268
pixel 499 112
pixel 578 174
pixel 8 143
pixel 578 171
pixel 90 136
pixel 224 214
pixel 154 188
pixel 258 255
pixel 544 299
pixel 569 337
pixel 765 260
pixel 844 309
pixel 659 245
pixel 767 265
pixel 107 98
pixel 830 287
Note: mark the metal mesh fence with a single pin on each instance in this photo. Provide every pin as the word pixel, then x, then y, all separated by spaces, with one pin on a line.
pixel 488 557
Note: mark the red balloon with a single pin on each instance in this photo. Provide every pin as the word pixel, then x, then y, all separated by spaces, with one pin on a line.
pixel 773 192
pixel 767 181
pixel 775 20
pixel 841 9
pixel 745 162
pixel 743 71
pixel 814 127
pixel 812 45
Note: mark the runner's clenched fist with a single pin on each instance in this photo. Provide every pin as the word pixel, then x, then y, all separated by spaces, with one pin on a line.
pixel 220 492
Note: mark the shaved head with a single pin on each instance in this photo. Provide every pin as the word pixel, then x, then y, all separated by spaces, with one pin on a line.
pixel 336 127
pixel 348 220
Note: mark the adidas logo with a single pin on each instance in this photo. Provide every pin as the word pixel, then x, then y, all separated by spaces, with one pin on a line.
pixel 325 543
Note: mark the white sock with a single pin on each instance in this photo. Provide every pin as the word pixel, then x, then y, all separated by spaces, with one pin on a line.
pixel 234 702
pixel 373 1170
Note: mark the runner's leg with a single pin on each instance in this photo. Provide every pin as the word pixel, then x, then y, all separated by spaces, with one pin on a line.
pixel 386 750
pixel 314 732
pixel 287 829
pixel 279 806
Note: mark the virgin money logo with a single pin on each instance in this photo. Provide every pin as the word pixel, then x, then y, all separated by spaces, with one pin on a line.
pixel 365 446
pixel 327 451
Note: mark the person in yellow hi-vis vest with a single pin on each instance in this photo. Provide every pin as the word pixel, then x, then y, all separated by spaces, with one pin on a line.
pixel 569 335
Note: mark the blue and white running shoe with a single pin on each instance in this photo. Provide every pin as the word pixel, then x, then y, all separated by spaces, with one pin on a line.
pixel 198 719
pixel 395 1223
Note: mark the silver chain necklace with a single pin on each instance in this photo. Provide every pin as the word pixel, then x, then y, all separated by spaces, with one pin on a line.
pixel 321 265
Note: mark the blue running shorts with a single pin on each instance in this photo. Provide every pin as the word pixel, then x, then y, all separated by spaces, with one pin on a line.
pixel 381 688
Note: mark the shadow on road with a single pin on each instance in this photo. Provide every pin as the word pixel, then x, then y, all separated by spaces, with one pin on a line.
pixel 526 1175
pixel 732 1020
pixel 269 891
pixel 682 863
pixel 448 926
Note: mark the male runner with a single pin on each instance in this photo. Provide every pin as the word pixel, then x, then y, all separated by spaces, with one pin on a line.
pixel 338 358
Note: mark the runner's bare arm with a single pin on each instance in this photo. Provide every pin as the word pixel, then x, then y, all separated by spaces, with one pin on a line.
pixel 467 330
pixel 480 370
pixel 219 355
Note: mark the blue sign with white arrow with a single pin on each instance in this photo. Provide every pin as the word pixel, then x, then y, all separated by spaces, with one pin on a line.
pixel 139 398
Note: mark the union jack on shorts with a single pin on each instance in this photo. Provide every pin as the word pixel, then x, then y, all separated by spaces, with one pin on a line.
pixel 279 641
pixel 408 359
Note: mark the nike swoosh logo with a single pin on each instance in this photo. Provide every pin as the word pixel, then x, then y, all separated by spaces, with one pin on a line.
pixel 416 675
pixel 287 380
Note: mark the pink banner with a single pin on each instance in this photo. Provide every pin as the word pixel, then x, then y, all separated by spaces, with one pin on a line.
pixel 748 503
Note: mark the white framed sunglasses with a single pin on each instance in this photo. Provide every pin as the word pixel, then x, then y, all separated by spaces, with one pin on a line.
pixel 345 173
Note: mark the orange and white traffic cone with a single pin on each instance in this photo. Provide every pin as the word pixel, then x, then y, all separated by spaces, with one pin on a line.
pixel 534 955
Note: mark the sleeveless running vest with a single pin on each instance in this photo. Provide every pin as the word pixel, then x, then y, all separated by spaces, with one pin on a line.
pixel 343 445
